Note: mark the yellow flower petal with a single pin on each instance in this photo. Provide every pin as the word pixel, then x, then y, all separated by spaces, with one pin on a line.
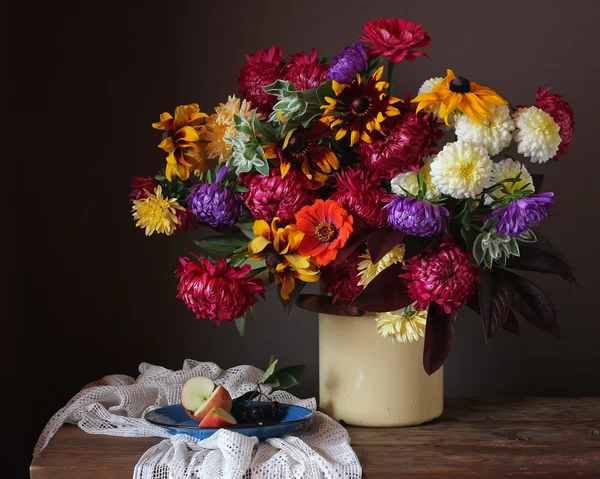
pixel 261 228
pixel 258 244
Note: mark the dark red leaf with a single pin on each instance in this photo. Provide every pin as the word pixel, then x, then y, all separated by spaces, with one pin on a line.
pixel 355 241
pixel 542 258
pixel 381 242
pixel 531 302
pixel 511 324
pixel 494 301
pixel 417 244
pixel 439 338
pixel 320 303
pixel 385 293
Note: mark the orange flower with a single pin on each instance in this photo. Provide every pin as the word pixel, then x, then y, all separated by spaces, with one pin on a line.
pixel 181 140
pixel 326 226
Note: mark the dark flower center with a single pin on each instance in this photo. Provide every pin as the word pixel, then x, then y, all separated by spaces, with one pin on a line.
pixel 325 232
pixel 297 142
pixel 167 134
pixel 361 105
pixel 460 85
pixel 273 259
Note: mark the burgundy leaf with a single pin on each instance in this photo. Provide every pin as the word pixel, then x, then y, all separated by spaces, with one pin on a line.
pixel 320 303
pixel 531 302
pixel 416 244
pixel 385 293
pixel 355 242
pixel 541 260
pixel 381 242
pixel 512 325
pixel 439 338
pixel 494 301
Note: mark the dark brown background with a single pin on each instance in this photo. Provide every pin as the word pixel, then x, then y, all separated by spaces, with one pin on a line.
pixel 95 296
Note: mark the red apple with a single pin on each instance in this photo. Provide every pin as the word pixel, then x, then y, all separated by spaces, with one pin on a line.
pixel 218 417
pixel 195 392
pixel 220 398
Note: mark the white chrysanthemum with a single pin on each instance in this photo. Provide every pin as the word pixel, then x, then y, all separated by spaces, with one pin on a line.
pixel 504 170
pixel 409 181
pixel 407 327
pixel 429 85
pixel 461 170
pixel 494 134
pixel 536 135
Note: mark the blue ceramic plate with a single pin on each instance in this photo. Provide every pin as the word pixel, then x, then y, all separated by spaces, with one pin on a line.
pixel 175 420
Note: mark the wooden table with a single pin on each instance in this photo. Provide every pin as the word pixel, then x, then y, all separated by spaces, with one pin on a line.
pixel 475 437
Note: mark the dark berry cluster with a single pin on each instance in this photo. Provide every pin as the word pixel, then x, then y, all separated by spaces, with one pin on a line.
pixel 267 412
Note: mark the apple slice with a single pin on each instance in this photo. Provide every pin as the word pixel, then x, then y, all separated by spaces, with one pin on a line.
pixel 218 417
pixel 219 398
pixel 195 392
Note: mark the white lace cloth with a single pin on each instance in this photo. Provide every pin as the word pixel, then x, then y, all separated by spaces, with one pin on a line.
pixel 115 406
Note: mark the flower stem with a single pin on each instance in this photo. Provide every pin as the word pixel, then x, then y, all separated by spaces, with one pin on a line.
pixel 391 66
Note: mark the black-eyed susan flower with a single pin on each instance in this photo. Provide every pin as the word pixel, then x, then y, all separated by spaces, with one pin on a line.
pixel 458 93
pixel 359 108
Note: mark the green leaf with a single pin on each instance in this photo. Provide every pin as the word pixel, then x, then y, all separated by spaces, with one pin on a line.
pixel 478 248
pixel 324 90
pixel 297 371
pixel 240 324
pixel 263 169
pixel 246 228
pixel 209 176
pixel 272 382
pixel 270 370
pixel 271 360
pixel 465 221
pixel 285 380
pixel 223 244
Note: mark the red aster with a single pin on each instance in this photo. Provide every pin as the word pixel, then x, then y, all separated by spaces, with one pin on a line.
pixel 342 280
pixel 561 112
pixel 401 143
pixel 359 190
pixel 395 38
pixel 217 292
pixel 301 150
pixel 359 107
pixel 304 71
pixel 263 69
pixel 141 183
pixel 187 221
pixel 444 276
pixel 276 196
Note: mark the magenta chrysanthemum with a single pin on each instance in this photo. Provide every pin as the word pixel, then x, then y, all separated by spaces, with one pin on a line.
pixel 562 114
pixel 395 38
pixel 401 143
pixel 342 280
pixel 263 69
pixel 217 292
pixel 305 71
pixel 141 184
pixel 359 190
pixel 444 276
pixel 271 196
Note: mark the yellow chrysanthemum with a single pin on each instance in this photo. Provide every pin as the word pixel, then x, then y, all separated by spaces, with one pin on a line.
pixel 181 141
pixel 406 327
pixel 221 124
pixel 458 93
pixel 156 213
pixel 367 270
pixel 278 248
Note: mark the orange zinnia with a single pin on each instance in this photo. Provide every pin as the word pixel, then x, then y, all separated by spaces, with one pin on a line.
pixel 326 226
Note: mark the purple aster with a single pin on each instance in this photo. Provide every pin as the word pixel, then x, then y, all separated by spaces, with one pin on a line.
pixel 347 63
pixel 215 204
pixel 416 217
pixel 520 215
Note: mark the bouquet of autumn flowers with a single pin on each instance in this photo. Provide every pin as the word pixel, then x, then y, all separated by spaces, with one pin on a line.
pixel 408 207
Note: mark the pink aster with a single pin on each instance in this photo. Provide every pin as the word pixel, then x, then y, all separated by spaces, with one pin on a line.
pixel 443 275
pixel 342 280
pixel 305 71
pixel 395 38
pixel 401 143
pixel 262 69
pixel 359 190
pixel 562 113
pixel 217 292
pixel 271 196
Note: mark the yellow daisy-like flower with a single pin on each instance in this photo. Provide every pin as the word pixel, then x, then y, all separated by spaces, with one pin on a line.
pixel 359 108
pixel 406 327
pixel 454 93
pixel 221 124
pixel 367 270
pixel 156 213
pixel 181 140
pixel 278 247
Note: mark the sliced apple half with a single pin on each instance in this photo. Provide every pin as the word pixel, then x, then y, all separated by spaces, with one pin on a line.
pixel 195 393
pixel 218 417
pixel 219 398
